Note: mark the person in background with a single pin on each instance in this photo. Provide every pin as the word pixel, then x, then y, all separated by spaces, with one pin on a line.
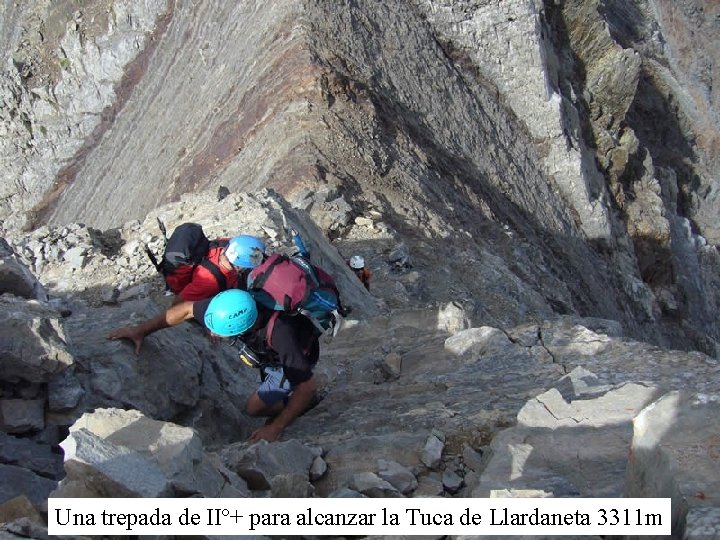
pixel 357 265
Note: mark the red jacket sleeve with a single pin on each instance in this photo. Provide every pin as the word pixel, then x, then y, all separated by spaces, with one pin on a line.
pixel 203 285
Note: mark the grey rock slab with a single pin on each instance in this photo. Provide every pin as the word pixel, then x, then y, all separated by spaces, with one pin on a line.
pixel 64 391
pixel 111 470
pixel 75 257
pixel 19 507
pixel 198 478
pixel 234 486
pixel 370 484
pixel 478 342
pixel 174 449
pixel 114 452
pixel 60 111
pixel 622 360
pixel 429 485
pixel 260 462
pixel 432 452
pixel 452 482
pixel 177 451
pixel 675 454
pixel 179 374
pixel 346 493
pixel 16 278
pixel 291 485
pixel 615 406
pixel 22 415
pixel 33 343
pixel 399 476
pixel 26 453
pixel 317 469
pixel 570 449
pixel 472 458
pixel 16 481
pixel 702 523
pixel 360 453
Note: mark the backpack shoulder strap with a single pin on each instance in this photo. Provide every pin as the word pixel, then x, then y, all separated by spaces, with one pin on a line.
pixel 215 271
pixel 270 327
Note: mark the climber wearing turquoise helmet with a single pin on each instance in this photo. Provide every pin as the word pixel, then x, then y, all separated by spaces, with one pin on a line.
pixel 230 313
pixel 286 346
pixel 245 251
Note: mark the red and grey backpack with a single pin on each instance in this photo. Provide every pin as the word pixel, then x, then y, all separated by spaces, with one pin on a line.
pixel 294 285
pixel 186 248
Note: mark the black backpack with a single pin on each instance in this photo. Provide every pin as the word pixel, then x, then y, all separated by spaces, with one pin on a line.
pixel 186 248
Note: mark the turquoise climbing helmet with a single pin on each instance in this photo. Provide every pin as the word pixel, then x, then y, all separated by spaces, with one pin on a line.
pixel 245 251
pixel 231 313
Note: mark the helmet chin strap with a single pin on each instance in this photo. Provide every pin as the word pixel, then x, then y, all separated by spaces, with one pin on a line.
pixel 225 262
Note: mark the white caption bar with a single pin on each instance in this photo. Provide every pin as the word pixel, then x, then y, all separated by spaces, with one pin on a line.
pixel 343 517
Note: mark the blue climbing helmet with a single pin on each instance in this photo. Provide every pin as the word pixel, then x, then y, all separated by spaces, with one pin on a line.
pixel 231 313
pixel 245 251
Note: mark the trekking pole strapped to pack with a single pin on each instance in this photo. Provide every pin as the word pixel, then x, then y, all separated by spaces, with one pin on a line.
pixel 149 252
pixel 299 244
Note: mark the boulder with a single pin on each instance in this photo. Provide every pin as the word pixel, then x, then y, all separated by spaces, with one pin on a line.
pixel 675 453
pixel 400 477
pixel 561 441
pixel 113 452
pixel 33 342
pixel 259 463
pixel 17 480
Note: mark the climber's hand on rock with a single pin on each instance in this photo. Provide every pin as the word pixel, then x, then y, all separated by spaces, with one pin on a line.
pixel 133 333
pixel 268 433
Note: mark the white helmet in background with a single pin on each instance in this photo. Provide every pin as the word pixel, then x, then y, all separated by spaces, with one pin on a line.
pixel 357 262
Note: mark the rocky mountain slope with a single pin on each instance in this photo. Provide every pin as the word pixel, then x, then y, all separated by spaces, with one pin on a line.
pixel 534 186
pixel 580 139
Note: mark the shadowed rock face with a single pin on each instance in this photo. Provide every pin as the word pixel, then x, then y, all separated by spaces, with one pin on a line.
pixel 579 138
